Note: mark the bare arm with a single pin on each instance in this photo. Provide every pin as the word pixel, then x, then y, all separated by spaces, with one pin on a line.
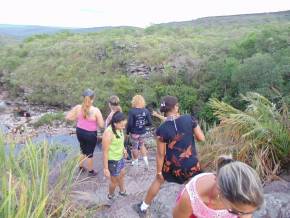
pixel 198 133
pixel 99 118
pixel 106 141
pixel 160 155
pixel 156 114
pixel 72 114
pixel 183 207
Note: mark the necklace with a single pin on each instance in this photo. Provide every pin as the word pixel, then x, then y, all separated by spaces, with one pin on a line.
pixel 173 118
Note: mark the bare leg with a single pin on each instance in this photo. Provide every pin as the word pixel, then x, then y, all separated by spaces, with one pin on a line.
pixel 144 154
pixel 90 164
pixel 135 153
pixel 121 181
pixel 153 190
pixel 113 185
pixel 143 150
pixel 81 160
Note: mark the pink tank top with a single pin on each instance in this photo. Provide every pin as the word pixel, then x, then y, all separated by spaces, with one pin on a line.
pixel 199 208
pixel 86 124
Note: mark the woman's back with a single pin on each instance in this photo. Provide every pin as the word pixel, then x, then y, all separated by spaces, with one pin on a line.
pixel 89 123
pixel 179 139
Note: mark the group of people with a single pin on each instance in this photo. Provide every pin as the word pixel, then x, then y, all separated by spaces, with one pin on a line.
pixel 234 191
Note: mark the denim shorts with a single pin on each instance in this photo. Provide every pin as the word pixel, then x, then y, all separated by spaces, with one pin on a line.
pixel 115 166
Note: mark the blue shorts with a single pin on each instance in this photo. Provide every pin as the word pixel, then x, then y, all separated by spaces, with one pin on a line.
pixel 115 166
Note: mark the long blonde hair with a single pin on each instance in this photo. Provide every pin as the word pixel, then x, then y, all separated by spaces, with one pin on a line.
pixel 88 95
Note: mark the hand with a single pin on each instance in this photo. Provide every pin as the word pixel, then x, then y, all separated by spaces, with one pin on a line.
pixel 160 177
pixel 107 173
pixel 154 113
pixel 125 153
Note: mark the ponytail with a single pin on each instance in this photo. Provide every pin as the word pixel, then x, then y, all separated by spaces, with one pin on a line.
pixel 224 160
pixel 87 103
pixel 116 118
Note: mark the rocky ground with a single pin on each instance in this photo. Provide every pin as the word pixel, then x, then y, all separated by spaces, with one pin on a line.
pixel 91 192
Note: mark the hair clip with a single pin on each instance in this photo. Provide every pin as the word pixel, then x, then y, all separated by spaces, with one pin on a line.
pixel 162 104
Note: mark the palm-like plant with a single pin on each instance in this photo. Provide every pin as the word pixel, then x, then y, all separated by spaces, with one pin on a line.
pixel 258 136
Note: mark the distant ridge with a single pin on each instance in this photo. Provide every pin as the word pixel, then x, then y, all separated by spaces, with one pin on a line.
pixel 22 31
pixel 258 18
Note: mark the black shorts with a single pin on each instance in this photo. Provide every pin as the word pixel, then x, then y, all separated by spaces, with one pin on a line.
pixel 178 175
pixel 87 140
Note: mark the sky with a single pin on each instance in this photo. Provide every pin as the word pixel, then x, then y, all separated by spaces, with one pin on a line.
pixel 139 13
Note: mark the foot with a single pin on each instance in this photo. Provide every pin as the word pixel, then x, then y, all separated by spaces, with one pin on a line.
pixel 92 173
pixel 82 169
pixel 135 162
pixel 141 213
pixel 124 193
pixel 110 197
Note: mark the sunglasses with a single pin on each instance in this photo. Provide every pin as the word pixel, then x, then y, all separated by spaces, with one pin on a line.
pixel 236 212
pixel 240 213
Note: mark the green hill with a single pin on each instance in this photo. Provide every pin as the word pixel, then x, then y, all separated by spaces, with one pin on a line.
pixel 195 60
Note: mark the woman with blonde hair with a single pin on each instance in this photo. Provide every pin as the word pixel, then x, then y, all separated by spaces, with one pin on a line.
pixel 89 120
pixel 235 191
pixel 138 118
pixel 114 105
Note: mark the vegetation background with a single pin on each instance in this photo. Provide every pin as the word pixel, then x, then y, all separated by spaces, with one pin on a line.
pixel 233 72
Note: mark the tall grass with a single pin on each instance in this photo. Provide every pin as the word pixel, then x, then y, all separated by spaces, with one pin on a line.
pixel 259 135
pixel 25 187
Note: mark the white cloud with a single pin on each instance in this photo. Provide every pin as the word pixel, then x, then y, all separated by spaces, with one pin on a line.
pixel 89 13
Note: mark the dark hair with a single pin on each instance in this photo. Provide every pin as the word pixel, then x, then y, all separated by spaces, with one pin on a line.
pixel 116 118
pixel 151 106
pixel 168 103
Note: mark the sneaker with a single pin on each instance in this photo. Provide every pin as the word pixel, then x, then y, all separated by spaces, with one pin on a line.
pixel 124 193
pixel 141 213
pixel 92 173
pixel 135 162
pixel 110 197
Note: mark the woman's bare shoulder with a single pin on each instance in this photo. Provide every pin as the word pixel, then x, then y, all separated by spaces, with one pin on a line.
pixel 205 184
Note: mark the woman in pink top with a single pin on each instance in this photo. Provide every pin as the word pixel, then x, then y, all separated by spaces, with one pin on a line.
pixel 235 192
pixel 89 120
